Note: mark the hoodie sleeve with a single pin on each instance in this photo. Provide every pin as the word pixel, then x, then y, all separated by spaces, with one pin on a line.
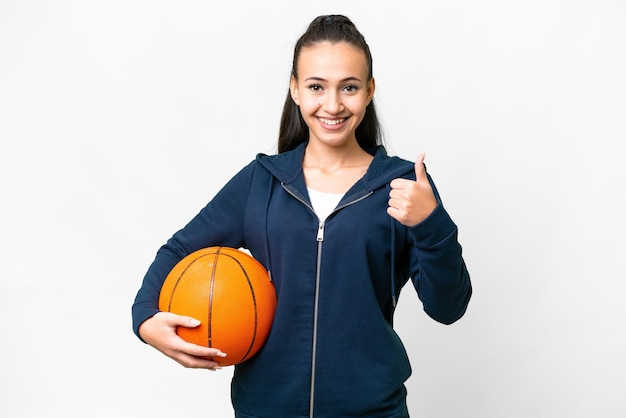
pixel 438 270
pixel 219 223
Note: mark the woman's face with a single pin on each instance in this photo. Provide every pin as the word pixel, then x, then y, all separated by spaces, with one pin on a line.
pixel 332 91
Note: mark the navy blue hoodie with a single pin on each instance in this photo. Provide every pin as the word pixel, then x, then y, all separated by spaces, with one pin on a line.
pixel 332 350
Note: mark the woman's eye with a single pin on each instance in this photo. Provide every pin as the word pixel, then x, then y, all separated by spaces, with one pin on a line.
pixel 315 87
pixel 351 88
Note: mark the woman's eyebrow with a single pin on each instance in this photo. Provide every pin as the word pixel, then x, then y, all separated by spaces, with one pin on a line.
pixel 314 78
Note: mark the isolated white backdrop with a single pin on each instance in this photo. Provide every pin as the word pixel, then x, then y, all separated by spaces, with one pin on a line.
pixel 120 119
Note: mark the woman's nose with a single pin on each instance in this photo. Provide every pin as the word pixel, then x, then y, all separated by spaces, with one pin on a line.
pixel 332 103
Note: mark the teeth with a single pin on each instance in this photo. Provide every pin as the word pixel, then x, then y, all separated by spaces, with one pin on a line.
pixel 332 121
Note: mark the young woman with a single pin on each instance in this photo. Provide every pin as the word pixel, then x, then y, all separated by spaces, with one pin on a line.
pixel 342 227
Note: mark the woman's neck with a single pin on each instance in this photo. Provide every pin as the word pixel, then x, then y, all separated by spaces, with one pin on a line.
pixel 334 169
pixel 333 158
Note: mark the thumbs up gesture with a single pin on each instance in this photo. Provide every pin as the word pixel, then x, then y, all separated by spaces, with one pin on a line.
pixel 410 202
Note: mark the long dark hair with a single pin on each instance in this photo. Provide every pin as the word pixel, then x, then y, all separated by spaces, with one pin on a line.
pixel 333 28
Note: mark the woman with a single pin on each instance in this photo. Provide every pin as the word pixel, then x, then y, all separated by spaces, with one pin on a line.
pixel 341 226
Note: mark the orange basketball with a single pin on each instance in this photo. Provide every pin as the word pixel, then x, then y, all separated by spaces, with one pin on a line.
pixel 230 293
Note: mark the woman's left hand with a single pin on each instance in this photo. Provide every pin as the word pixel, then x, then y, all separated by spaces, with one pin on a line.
pixel 410 202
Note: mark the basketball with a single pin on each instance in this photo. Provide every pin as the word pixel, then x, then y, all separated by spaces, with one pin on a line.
pixel 230 293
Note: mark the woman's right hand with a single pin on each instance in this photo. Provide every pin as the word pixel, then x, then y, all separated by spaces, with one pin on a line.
pixel 160 332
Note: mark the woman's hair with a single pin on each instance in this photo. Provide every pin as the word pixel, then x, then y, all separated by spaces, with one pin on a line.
pixel 335 29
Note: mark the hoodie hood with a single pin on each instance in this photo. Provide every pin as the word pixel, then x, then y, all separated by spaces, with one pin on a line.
pixel 287 167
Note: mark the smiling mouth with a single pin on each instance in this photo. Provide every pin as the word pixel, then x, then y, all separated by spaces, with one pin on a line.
pixel 332 122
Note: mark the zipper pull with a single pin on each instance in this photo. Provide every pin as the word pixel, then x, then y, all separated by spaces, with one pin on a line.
pixel 320 232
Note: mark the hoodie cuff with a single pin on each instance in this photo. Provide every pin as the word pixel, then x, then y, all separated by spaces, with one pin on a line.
pixel 140 315
pixel 434 229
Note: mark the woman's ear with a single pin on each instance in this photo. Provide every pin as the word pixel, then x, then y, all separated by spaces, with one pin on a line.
pixel 293 89
pixel 371 87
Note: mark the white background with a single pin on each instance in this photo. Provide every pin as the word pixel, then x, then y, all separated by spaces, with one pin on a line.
pixel 120 119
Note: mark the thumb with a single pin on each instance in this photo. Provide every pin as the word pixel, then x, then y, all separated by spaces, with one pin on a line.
pixel 420 169
pixel 188 322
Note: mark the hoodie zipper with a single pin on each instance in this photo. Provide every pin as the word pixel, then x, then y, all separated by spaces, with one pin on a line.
pixel 320 239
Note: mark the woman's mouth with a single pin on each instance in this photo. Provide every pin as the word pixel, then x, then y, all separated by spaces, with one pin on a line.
pixel 331 123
